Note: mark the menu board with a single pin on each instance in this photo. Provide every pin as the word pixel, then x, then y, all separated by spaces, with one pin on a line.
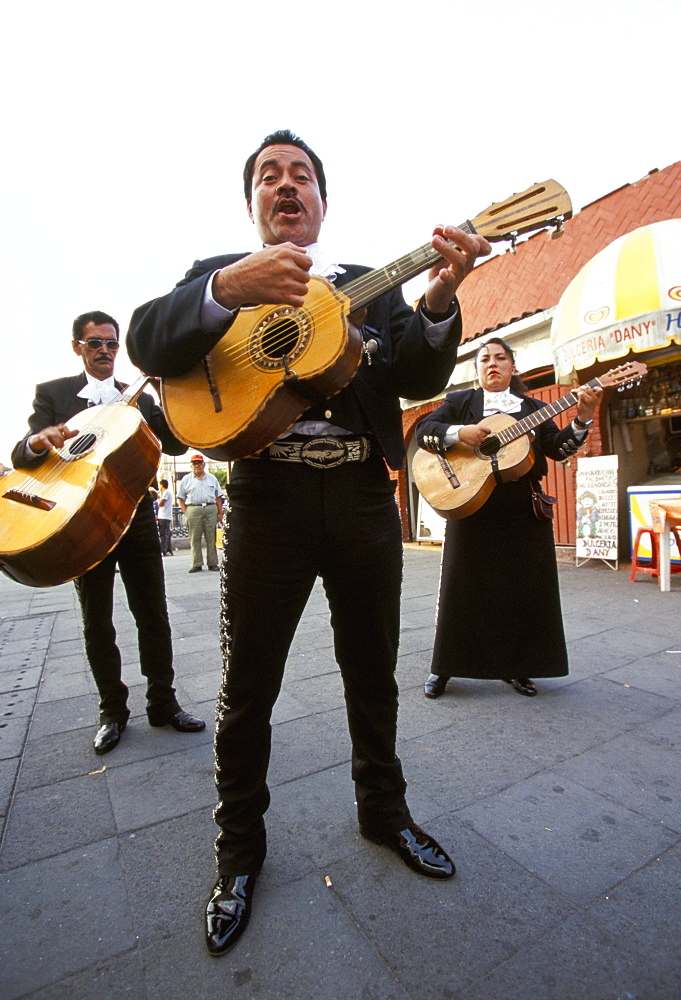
pixel 596 513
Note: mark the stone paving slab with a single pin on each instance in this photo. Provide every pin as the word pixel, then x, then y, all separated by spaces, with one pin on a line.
pixel 42 824
pixel 579 961
pixel 663 731
pixel 147 791
pixel 62 714
pixel 649 784
pixel 660 673
pixel 8 775
pixel 576 840
pixel 120 977
pixel 638 911
pixel 55 921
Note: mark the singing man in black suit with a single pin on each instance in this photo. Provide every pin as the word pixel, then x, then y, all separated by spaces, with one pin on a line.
pixel 137 555
pixel 318 502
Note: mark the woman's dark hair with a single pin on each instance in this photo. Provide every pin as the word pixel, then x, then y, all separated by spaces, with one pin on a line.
pixel 516 384
pixel 284 137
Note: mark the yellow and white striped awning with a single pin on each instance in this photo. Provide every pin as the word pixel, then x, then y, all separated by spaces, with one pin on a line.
pixel 628 297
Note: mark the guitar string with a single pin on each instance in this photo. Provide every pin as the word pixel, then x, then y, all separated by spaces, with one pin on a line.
pixel 521 427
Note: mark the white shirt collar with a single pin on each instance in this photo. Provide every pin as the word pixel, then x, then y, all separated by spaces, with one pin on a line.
pixel 500 402
pixel 98 391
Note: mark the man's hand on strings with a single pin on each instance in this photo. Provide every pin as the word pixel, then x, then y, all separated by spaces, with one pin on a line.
pixel 51 437
pixel 474 434
pixel 459 251
pixel 278 275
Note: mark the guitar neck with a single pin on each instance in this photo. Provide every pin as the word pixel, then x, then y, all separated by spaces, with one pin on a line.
pixel 540 416
pixel 132 392
pixel 371 286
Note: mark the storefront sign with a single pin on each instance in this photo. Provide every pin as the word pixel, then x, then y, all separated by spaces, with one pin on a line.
pixel 596 492
pixel 642 333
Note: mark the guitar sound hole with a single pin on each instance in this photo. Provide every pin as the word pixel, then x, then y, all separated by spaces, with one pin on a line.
pixel 280 339
pixel 82 444
pixel 490 446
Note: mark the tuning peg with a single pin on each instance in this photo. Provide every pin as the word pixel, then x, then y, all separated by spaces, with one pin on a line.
pixel 558 231
pixel 514 240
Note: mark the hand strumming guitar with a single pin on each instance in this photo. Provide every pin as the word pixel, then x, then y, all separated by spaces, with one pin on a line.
pixel 278 274
pixel 51 437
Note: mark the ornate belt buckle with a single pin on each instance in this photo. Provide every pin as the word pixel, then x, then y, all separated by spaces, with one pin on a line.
pixel 324 453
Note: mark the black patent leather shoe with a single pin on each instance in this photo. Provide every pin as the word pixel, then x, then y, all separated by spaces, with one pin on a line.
pixel 523 685
pixel 435 686
pixel 108 736
pixel 228 911
pixel 417 849
pixel 182 721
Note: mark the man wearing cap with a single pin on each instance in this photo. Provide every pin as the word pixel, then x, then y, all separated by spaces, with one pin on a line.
pixel 200 498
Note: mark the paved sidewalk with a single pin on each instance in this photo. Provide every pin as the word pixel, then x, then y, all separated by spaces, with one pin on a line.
pixel 563 813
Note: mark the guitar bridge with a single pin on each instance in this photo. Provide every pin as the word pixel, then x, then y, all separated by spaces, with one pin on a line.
pixel 207 362
pixel 29 499
pixel 449 472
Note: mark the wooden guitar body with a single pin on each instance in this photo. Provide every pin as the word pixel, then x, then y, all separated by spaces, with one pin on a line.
pixel 458 483
pixel 248 389
pixel 62 517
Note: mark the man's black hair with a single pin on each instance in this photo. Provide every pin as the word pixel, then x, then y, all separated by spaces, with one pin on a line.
pixel 96 317
pixel 284 137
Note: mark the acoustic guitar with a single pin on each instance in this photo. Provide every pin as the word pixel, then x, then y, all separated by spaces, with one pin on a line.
pixel 459 482
pixel 276 360
pixel 62 517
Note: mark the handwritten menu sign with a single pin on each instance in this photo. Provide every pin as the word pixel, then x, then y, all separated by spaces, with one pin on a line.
pixel 596 492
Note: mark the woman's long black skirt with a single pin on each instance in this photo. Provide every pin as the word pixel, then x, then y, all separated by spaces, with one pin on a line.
pixel 499 614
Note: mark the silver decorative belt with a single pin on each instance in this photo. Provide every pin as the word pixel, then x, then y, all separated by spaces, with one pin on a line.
pixel 320 452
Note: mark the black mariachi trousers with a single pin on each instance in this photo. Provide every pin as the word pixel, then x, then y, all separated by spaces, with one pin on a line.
pixel 138 556
pixel 287 524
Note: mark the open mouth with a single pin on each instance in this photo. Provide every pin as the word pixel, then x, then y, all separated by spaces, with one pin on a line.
pixel 288 206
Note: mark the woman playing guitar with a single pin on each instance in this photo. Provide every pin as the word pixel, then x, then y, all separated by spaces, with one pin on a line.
pixel 499 614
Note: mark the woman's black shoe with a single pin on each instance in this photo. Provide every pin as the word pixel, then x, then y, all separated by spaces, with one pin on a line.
pixel 523 685
pixel 435 686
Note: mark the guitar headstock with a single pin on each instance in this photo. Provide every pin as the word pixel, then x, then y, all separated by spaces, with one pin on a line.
pixel 540 206
pixel 630 372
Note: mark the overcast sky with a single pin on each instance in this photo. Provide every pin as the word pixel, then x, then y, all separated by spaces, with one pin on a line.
pixel 125 127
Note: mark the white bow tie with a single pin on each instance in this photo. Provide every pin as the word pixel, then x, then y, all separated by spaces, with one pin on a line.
pixel 500 402
pixel 97 392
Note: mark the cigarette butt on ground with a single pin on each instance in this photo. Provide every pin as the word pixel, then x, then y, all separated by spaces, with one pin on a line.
pixel 328 881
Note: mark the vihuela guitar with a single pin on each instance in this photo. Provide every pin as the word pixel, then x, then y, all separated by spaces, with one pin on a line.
pixel 62 517
pixel 276 360
pixel 459 482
